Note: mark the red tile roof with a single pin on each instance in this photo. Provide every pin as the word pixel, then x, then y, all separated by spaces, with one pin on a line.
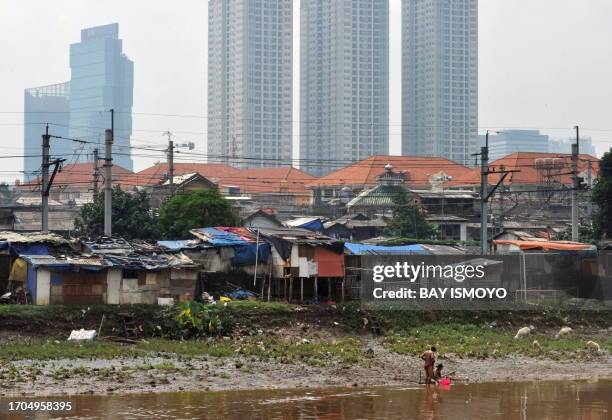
pixel 418 170
pixel 156 174
pixel 285 179
pixel 80 175
pixel 255 180
pixel 525 162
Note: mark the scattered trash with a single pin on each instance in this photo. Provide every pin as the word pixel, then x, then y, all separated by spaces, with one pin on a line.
pixel 241 294
pixel 207 298
pixel 165 301
pixel 444 381
pixel 224 299
pixel 82 334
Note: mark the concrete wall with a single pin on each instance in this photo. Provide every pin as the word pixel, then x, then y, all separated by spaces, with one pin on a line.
pixel 43 286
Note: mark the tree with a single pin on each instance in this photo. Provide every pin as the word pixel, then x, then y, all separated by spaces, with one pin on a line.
pixel 195 209
pixel 408 218
pixel 132 217
pixel 602 197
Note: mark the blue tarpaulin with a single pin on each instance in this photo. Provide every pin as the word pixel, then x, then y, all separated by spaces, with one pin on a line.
pixel 364 249
pixel 217 237
pixel 314 225
pixel 245 254
pixel 20 249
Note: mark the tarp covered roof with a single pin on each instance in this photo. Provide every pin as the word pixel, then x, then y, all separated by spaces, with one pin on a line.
pixel 365 249
pixel 225 236
pixel 310 223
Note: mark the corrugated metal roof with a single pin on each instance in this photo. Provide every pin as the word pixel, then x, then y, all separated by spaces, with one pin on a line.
pixel 379 196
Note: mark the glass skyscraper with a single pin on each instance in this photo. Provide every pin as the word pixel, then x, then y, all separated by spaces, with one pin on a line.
pixel 344 102
pixel 250 70
pixel 440 78
pixel 102 78
pixel 45 105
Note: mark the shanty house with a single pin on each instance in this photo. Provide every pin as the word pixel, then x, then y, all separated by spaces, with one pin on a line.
pixel 300 254
pixel 139 272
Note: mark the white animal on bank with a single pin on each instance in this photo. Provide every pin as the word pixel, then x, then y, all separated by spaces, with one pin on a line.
pixel 593 346
pixel 536 346
pixel 564 331
pixel 524 331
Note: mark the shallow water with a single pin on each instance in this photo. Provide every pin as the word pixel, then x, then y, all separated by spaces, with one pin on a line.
pixel 537 400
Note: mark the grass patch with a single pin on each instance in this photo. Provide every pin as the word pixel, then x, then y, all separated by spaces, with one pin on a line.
pixel 466 340
pixel 47 350
pixel 320 353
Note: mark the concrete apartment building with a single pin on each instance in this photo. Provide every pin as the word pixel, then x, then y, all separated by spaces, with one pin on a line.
pixel 250 70
pixel 344 109
pixel 440 78
pixel 102 78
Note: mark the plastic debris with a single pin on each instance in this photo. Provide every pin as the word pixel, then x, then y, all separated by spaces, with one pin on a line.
pixel 165 301
pixel 82 334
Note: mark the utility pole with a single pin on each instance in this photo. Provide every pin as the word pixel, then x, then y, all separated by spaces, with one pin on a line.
pixel 575 154
pixel 96 172
pixel 484 192
pixel 589 181
pixel 45 181
pixel 170 158
pixel 108 165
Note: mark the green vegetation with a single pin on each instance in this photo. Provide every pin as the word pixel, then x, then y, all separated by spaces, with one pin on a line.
pixel 468 340
pixel 602 197
pixel 132 216
pixel 195 209
pixel 312 334
pixel 197 319
pixel 408 218
pixel 316 353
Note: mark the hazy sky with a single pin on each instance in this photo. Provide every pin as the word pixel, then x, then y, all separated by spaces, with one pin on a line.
pixel 543 64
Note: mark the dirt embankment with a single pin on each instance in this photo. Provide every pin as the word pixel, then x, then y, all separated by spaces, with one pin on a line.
pixel 171 373
pixel 280 346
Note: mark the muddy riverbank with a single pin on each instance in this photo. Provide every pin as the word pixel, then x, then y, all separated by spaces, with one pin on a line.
pixel 168 373
pixel 288 347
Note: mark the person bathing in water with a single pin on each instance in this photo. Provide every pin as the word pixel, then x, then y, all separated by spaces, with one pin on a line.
pixel 429 359
pixel 438 372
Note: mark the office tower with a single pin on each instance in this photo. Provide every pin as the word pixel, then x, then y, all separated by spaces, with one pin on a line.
pixel 45 105
pixel 102 78
pixel 440 78
pixel 344 102
pixel 565 146
pixel 250 69
pixel 504 143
